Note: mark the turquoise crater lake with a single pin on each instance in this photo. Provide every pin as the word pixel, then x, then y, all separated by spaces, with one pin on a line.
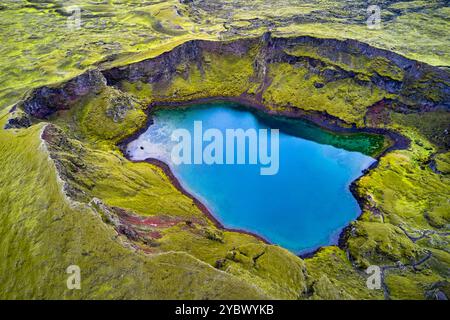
pixel 302 207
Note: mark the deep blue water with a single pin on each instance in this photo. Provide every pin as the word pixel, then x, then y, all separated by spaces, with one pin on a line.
pixel 304 206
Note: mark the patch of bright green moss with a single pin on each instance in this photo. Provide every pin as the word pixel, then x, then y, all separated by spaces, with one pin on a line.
pixel 220 76
pixel 410 285
pixel 111 116
pixel 374 243
pixel 434 126
pixel 343 98
pixel 443 162
pixel 276 270
pixel 332 276
pixel 406 190
pixel 348 61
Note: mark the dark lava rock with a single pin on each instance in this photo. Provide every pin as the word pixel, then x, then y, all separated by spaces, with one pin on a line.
pixel 44 101
pixel 128 232
pixel 318 85
pixel 18 122
pixel 119 107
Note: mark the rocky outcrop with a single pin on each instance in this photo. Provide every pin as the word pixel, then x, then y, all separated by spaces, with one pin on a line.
pixel 159 69
pixel 18 119
pixel 44 101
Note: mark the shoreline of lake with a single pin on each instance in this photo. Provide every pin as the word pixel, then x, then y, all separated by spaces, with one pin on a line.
pixel 323 121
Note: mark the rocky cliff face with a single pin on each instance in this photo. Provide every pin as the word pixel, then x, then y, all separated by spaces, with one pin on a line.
pixel 414 86
pixel 44 101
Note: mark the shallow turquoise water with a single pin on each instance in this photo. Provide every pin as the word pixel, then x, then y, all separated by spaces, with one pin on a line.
pixel 302 207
